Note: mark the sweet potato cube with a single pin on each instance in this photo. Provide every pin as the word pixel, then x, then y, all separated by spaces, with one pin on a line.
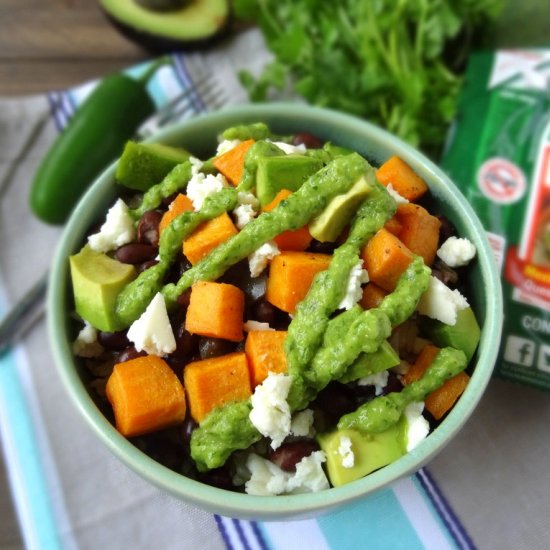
pixel 290 276
pixel 265 353
pixel 393 225
pixel 419 231
pixel 440 401
pixel 211 383
pixel 145 395
pixel 402 177
pixel 298 239
pixel 231 163
pixel 216 311
pixel 385 258
pixel 372 296
pixel 208 236
pixel 182 203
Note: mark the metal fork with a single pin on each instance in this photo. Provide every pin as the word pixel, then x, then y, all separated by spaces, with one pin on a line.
pixel 205 95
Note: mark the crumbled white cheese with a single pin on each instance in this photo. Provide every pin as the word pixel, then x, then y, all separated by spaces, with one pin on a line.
pixel 152 332
pixel 117 230
pixel 227 145
pixel 441 303
pixel 86 344
pixel 346 452
pixel 399 199
pixel 258 260
pixel 266 478
pixel 256 325
pixel 247 209
pixel 456 252
pixel 244 213
pixel 357 277
pixel 270 412
pixel 196 165
pixel 302 424
pixel 289 149
pixel 379 380
pixel 417 426
pixel 201 186
pixel 310 476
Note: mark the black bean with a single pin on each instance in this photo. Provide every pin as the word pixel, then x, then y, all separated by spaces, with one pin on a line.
pixel 136 253
pixel 186 344
pixel 116 341
pixel 264 312
pixel 214 347
pixel 184 299
pixel 290 453
pixel 220 477
pixel 309 140
pixel 129 353
pixel 394 383
pixel 148 228
pixel 336 400
pixel 146 265
pixel 446 230
pixel 322 248
pixel 447 275
pixel 188 428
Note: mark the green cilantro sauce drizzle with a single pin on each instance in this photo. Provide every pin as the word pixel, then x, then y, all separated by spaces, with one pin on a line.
pixel 259 150
pixel 383 412
pixel 134 298
pixel 328 289
pixel 174 181
pixel 346 336
pixel 292 213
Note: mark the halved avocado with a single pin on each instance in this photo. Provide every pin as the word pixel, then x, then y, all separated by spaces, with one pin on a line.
pixel 165 30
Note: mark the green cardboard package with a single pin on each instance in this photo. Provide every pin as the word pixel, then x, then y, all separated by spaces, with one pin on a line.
pixel 498 153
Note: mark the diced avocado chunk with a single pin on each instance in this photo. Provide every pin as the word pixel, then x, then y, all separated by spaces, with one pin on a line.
pixel 370 451
pixel 143 165
pixel 329 224
pixel 283 172
pixel 463 335
pixel 97 279
pixel 385 357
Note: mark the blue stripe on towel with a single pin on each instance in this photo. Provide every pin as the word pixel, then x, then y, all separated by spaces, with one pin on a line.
pixel 377 521
pixel 446 514
pixel 27 478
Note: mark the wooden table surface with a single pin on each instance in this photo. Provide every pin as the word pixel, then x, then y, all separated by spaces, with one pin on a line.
pixel 52 44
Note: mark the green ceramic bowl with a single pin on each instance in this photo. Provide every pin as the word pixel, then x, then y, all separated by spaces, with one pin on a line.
pixel 199 136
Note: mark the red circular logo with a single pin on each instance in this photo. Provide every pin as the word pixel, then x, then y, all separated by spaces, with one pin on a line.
pixel 501 180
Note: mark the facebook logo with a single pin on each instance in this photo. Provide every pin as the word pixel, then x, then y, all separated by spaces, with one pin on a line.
pixel 519 351
pixel 543 362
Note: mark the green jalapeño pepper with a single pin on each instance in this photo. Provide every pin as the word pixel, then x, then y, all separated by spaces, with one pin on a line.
pixel 93 138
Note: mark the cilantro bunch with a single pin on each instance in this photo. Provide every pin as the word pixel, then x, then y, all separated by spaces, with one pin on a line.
pixel 394 62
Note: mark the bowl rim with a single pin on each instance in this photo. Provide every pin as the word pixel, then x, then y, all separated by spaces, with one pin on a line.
pixel 283 506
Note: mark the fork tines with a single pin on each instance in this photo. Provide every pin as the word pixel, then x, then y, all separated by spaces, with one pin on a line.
pixel 205 94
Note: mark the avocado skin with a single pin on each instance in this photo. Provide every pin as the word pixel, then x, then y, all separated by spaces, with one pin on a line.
pixel 159 44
